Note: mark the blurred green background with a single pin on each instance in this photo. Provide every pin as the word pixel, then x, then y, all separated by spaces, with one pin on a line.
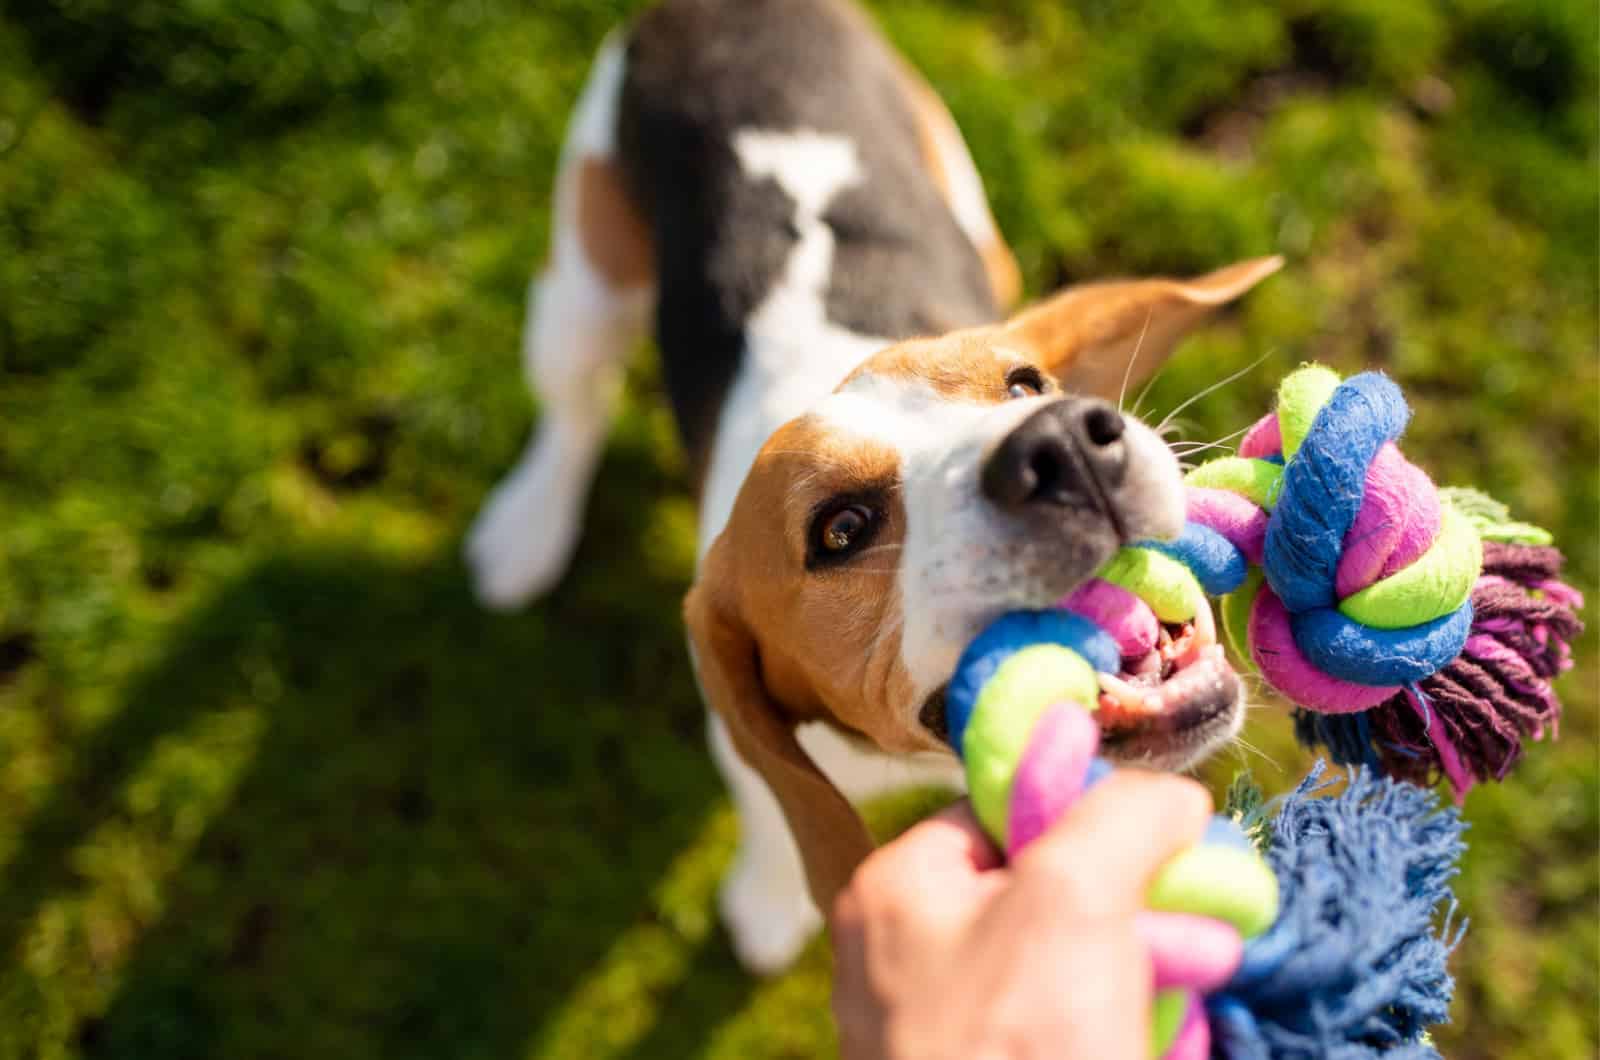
pixel 271 785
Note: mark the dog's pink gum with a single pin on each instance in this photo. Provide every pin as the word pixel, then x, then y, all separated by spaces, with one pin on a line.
pixel 1278 658
pixel 1234 517
pixel 1050 776
pixel 1128 619
pixel 1195 952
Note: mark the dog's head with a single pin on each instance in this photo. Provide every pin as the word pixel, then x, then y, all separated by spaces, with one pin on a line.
pixel 945 482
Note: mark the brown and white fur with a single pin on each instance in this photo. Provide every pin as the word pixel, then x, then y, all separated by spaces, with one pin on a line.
pixel 794 211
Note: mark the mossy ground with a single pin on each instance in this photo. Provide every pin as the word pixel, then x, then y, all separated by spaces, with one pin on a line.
pixel 273 786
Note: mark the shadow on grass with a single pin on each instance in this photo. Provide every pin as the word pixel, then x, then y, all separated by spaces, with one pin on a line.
pixel 448 819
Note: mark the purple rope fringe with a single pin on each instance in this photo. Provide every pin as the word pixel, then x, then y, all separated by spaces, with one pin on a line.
pixel 1496 694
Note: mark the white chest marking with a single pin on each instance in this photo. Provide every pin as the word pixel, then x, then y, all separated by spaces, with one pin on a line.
pixel 794 356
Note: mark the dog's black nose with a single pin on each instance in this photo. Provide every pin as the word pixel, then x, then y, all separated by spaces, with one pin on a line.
pixel 1070 452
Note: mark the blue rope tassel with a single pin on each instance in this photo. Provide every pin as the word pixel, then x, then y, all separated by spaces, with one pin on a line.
pixel 1348 737
pixel 1353 967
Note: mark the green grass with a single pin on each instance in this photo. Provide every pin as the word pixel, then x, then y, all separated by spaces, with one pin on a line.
pixel 273 786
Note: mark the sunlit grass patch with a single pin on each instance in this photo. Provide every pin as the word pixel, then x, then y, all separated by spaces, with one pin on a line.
pixel 271 784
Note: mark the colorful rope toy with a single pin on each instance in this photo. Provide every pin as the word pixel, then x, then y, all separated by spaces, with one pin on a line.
pixel 1420 627
pixel 1325 947
pixel 1359 591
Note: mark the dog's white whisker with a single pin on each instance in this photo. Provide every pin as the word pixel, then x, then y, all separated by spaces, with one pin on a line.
pixel 1176 431
pixel 1127 370
pixel 1190 448
pixel 1218 385
pixel 1240 743
pixel 1186 454
pixel 891 626
pixel 1138 402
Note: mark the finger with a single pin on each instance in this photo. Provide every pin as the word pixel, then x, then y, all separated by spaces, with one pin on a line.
pixel 927 882
pixel 954 833
pixel 854 1012
pixel 951 843
pixel 1116 838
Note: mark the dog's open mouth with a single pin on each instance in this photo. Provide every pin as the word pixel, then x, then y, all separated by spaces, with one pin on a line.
pixel 1164 708
pixel 1181 685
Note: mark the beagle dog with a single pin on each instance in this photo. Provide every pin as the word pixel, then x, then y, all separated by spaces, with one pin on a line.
pixel 884 463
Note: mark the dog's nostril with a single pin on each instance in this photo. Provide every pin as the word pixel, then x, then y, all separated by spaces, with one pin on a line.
pixel 1103 425
pixel 1063 454
pixel 1044 470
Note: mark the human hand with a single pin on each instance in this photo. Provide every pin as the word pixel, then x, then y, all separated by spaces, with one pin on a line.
pixel 940 950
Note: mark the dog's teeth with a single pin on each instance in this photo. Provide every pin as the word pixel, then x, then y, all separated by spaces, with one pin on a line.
pixel 1200 674
pixel 1121 698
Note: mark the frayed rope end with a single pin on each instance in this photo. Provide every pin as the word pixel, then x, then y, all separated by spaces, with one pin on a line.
pixel 1469 721
pixel 1355 964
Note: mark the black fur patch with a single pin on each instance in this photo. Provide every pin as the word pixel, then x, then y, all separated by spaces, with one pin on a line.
pixel 699 71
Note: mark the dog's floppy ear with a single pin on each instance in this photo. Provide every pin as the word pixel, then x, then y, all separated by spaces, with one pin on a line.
pixel 1086 335
pixel 831 836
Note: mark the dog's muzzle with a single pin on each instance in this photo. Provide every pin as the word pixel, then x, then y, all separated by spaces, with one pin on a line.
pixel 1070 453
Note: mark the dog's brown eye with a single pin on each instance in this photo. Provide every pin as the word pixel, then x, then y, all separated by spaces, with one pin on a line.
pixel 842 529
pixel 1024 382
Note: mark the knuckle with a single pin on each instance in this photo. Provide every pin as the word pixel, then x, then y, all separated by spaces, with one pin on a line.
pixel 847 912
pixel 889 867
pixel 876 883
pixel 872 875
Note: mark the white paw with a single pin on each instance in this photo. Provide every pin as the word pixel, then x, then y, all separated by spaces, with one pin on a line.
pixel 521 542
pixel 770 919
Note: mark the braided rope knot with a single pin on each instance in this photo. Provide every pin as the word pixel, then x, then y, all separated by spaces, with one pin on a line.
pixel 1355 583
pixel 1368 571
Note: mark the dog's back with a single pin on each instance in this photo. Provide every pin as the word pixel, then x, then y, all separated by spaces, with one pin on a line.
pixel 701 74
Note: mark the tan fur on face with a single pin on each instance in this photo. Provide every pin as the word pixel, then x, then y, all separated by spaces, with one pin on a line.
pixel 1097 336
pixel 1092 338
pixel 777 644
pixel 968 366
pixel 804 618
